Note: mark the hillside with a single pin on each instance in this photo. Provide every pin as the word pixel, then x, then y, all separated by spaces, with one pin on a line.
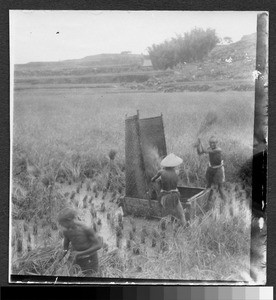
pixel 94 64
pixel 245 49
pixel 227 66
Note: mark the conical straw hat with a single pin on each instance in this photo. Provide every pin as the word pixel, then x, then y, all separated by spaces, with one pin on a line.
pixel 171 160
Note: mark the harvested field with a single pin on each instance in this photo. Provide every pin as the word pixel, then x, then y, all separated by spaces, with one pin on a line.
pixel 61 142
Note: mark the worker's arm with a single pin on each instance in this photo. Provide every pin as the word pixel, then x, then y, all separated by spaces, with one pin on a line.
pixel 199 147
pixel 156 176
pixel 97 243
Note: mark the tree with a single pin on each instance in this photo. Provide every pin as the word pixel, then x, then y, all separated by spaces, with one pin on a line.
pixel 189 47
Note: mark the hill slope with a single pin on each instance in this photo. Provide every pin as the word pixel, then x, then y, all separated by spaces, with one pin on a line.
pixel 93 64
pixel 226 63
pixel 245 49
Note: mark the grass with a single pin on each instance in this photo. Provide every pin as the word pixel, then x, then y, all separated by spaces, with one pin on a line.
pixel 69 138
pixel 215 246
pixel 72 134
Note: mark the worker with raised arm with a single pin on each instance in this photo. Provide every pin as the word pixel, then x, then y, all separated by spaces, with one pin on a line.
pixel 215 173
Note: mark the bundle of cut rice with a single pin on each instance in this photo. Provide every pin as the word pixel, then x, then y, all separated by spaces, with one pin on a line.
pixel 207 122
pixel 38 261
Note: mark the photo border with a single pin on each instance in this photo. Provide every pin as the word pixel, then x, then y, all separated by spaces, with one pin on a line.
pixel 99 6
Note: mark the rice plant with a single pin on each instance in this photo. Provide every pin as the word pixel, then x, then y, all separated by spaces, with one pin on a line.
pixel 19 246
pixel 105 247
pixel 78 189
pixel 218 243
pixel 136 249
pixel 120 221
pixel 54 226
pixel 118 242
pixel 131 235
pixel 88 187
pixel 84 199
pixel 119 232
pixel 26 227
pixel 95 189
pixel 35 229
pixel 128 244
pixel 143 237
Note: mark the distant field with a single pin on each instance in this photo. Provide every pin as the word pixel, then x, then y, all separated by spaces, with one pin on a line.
pixel 58 124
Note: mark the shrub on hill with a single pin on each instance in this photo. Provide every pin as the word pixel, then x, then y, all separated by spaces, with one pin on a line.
pixel 191 47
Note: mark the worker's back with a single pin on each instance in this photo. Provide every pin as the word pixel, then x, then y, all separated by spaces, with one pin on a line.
pixel 169 179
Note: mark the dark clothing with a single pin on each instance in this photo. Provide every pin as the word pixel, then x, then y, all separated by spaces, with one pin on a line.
pixel 89 264
pixel 215 175
pixel 215 156
pixel 81 237
pixel 215 171
pixel 169 179
pixel 170 196
pixel 170 201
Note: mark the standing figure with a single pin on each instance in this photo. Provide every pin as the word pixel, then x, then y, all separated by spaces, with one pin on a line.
pixel 215 173
pixel 170 196
pixel 83 240
pixel 114 181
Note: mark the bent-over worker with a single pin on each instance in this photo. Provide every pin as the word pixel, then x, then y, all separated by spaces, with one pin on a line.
pixel 83 239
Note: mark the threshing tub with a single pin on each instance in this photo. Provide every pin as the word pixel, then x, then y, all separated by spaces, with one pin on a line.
pixel 193 200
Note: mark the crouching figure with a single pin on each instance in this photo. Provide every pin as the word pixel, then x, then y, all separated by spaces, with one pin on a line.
pixel 83 239
pixel 170 196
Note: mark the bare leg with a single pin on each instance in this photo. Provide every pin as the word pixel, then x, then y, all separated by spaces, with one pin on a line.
pixel 220 189
pixel 209 178
pixel 222 203
pixel 180 214
pixel 210 198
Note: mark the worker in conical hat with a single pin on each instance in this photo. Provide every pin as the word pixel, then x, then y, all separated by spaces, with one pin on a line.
pixel 170 196
pixel 171 160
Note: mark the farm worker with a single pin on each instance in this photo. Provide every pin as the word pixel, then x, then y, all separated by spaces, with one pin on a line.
pixel 83 240
pixel 170 196
pixel 215 172
pixel 114 174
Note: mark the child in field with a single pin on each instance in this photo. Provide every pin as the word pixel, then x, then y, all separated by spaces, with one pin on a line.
pixel 83 239
pixel 170 196
pixel 215 172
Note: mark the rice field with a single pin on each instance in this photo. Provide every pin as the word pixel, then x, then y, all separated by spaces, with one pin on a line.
pixel 61 142
pixel 79 127
pixel 139 247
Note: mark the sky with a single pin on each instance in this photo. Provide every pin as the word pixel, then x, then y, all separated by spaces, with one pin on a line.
pixel 59 35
